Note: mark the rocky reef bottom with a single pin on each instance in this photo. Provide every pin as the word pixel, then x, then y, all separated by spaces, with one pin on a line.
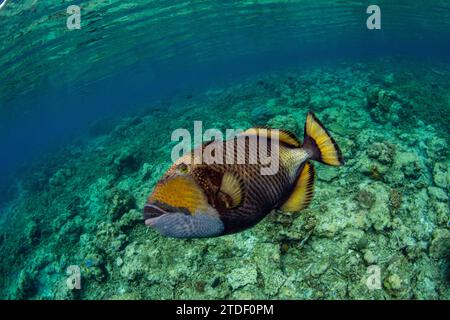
pixel 378 227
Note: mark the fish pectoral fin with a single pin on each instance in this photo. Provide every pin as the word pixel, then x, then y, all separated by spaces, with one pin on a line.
pixel 233 186
pixel 302 194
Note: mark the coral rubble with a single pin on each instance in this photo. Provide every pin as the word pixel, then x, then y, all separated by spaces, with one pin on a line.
pixel 387 207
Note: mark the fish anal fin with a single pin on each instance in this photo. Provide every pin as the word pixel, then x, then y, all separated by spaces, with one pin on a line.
pixel 232 186
pixel 303 192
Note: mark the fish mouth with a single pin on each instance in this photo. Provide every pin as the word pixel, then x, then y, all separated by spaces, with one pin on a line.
pixel 151 214
pixel 153 211
pixel 151 221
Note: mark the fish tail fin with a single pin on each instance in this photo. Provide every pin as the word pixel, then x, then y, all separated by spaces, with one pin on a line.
pixel 319 143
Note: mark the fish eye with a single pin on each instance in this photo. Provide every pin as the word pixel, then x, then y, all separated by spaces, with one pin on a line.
pixel 183 168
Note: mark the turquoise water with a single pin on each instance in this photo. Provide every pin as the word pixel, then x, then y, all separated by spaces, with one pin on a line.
pixel 86 117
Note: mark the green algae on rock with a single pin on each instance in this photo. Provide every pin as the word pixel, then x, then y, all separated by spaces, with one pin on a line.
pixel 388 206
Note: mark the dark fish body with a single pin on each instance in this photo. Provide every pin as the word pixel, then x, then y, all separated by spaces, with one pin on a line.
pixel 262 192
pixel 198 197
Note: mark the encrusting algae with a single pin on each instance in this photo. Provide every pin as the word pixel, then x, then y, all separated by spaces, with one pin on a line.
pixel 83 204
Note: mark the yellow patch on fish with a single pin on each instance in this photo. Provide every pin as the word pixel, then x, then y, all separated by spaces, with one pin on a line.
pixel 180 192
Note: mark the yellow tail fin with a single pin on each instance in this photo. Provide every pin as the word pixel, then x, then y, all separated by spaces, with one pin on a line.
pixel 319 143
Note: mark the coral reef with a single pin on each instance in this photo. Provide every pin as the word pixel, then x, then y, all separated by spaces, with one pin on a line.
pixel 387 207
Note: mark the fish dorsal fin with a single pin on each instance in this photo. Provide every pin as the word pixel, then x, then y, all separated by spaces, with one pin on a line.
pixel 233 186
pixel 303 191
pixel 284 136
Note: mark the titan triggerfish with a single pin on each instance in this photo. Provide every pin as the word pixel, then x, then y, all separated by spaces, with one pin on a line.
pixel 195 199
